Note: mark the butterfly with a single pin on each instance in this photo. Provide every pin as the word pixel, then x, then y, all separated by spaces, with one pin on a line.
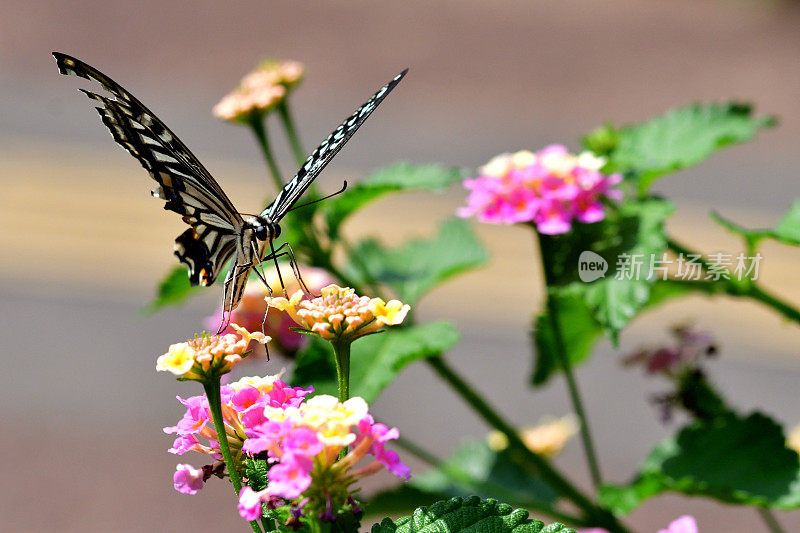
pixel 218 232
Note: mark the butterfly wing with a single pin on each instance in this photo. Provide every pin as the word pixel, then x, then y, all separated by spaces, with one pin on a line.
pixel 185 185
pixel 320 157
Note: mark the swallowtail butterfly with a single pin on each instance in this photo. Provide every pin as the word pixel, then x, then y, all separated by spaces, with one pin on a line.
pixel 218 232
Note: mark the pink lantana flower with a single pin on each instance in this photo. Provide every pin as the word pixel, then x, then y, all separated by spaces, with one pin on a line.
pixel 305 443
pixel 550 189
pixel 252 310
pixel 684 524
pixel 187 479
pixel 243 403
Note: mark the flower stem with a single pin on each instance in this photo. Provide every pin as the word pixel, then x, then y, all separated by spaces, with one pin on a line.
pixel 595 515
pixel 574 393
pixel 770 520
pixel 742 288
pixel 215 405
pixel 257 123
pixel 462 475
pixel 341 350
pixel 566 364
pixel 291 132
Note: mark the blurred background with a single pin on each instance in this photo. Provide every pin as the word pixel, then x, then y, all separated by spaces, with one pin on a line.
pixel 83 244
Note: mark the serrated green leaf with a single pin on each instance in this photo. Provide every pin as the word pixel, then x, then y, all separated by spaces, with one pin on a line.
pixel 472 469
pixel 419 265
pixel 174 289
pixel 401 176
pixel 375 360
pixel 733 459
pixel 468 515
pixel 681 138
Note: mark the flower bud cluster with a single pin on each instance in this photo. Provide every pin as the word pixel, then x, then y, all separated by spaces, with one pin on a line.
pixel 206 357
pixel 340 314
pixel 260 91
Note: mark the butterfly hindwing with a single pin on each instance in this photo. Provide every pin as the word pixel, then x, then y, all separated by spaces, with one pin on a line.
pixel 320 157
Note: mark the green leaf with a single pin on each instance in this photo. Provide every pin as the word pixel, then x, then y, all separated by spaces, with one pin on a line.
pixel 375 360
pixel 471 515
pixel 174 289
pixel 635 230
pixel 732 459
pixel 472 469
pixel 419 265
pixel 678 139
pixel 788 229
pixel 398 177
pixel 579 331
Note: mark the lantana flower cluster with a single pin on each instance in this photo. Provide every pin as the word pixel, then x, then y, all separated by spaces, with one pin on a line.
pixel 195 430
pixel 208 356
pixel 549 188
pixel 547 438
pixel 305 443
pixel 260 91
pixel 252 310
pixel 340 314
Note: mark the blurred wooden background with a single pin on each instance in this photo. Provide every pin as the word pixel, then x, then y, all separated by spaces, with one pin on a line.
pixel 83 244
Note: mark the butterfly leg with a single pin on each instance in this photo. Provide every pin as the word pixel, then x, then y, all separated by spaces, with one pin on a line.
pixel 296 270
pixel 289 253
pixel 274 256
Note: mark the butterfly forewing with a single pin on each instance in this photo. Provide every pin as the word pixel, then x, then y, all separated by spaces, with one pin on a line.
pixel 320 157
pixel 184 184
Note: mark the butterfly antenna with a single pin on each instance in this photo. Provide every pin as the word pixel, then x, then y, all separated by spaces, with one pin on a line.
pixel 340 191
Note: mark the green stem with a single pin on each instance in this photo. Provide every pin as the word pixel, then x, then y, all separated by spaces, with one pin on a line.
pixel 563 358
pixel 594 515
pixel 459 474
pixel 744 288
pixel 341 349
pixel 759 294
pixel 215 406
pixel 257 123
pixel 574 393
pixel 291 132
pixel 770 520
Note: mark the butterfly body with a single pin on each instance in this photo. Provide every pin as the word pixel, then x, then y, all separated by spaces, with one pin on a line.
pixel 217 233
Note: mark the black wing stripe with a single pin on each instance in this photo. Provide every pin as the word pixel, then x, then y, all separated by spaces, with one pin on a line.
pixel 176 188
pixel 127 130
pixel 320 157
pixel 146 118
